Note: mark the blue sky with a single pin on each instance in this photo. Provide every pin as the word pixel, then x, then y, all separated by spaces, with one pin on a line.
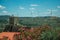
pixel 30 8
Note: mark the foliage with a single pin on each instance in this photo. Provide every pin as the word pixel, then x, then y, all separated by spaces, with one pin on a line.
pixel 39 33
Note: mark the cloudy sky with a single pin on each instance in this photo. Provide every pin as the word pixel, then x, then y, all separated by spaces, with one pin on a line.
pixel 30 8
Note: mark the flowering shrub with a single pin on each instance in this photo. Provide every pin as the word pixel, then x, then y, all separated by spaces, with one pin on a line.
pixel 40 33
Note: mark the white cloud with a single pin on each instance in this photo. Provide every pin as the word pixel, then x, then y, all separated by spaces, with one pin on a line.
pixel 32 8
pixel 53 10
pixel 47 12
pixel 21 8
pixel 5 12
pixel 2 7
pixel 34 5
pixel 58 6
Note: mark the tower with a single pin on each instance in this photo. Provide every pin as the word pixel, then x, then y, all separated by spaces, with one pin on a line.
pixel 13 20
pixel 12 26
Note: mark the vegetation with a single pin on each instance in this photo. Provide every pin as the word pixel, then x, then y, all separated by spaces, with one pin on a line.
pixel 42 28
pixel 40 33
pixel 34 21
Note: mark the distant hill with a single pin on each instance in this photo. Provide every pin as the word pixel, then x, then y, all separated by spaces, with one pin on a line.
pixel 39 21
pixel 34 21
pixel 4 18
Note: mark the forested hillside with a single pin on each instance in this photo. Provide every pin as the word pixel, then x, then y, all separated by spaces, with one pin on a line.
pixel 33 21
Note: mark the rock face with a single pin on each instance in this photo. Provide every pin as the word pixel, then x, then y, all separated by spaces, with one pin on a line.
pixel 9 35
pixel 11 28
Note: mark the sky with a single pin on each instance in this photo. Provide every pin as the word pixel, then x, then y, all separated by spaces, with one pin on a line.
pixel 30 8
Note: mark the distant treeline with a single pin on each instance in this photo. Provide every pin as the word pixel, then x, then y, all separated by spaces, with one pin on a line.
pixel 34 21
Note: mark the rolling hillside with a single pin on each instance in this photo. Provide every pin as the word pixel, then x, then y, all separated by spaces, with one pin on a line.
pixel 33 21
